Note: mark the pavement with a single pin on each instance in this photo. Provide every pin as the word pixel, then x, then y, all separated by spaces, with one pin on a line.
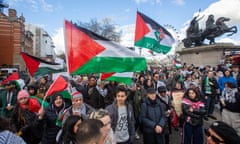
pixel 175 137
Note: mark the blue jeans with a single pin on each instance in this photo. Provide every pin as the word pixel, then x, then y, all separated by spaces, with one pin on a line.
pixel 192 134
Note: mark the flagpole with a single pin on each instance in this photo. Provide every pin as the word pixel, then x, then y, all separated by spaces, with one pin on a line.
pixel 66 49
pixel 140 51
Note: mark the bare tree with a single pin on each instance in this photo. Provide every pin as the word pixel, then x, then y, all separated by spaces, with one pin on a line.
pixel 104 27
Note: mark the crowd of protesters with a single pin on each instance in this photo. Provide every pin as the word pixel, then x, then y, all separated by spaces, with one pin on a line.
pixel 157 102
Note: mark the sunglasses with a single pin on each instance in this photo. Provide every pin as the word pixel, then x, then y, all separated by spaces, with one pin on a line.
pixel 215 139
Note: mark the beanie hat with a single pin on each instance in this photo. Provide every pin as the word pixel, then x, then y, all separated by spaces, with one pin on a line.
pixel 151 90
pixel 226 132
pixel 76 94
pixel 23 94
pixel 162 89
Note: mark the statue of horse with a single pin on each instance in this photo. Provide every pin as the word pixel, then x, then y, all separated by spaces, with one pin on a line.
pixel 194 34
pixel 196 37
pixel 220 29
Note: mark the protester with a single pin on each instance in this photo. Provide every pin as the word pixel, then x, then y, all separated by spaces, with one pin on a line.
pixel 96 95
pixel 226 78
pixel 8 98
pixel 230 101
pixel 153 118
pixel 104 117
pixel 90 132
pixel 92 82
pixel 111 90
pixel 122 117
pixel 193 112
pixel 210 90
pixel 139 95
pixel 67 135
pixel 51 119
pixel 221 133
pixel 166 101
pixel 25 118
pixel 32 90
pixel 7 135
pixel 78 107
pixel 42 87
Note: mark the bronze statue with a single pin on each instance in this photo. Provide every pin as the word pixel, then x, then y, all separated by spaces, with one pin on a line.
pixel 195 36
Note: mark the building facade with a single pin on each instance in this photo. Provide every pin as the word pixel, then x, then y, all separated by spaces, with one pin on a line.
pixel 12 36
pixel 43 46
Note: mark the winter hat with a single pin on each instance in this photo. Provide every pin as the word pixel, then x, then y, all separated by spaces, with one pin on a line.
pixel 23 94
pixel 226 132
pixel 162 89
pixel 151 90
pixel 76 94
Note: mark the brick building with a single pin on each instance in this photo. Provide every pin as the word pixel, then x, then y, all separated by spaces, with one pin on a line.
pixel 12 39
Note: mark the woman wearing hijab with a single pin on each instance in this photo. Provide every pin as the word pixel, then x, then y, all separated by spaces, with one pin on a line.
pixel 50 119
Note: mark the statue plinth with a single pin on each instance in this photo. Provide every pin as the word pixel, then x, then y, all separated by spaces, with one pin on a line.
pixel 206 54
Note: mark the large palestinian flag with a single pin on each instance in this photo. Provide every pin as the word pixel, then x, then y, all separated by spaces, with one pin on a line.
pixel 88 52
pixel 39 67
pixel 151 35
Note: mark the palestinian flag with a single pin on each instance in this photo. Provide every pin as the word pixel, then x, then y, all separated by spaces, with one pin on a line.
pixel 151 35
pixel 125 77
pixel 41 101
pixel 177 64
pixel 88 53
pixel 13 76
pixel 39 67
pixel 20 83
pixel 59 84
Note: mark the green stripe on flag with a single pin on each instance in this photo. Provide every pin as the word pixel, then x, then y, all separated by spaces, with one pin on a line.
pixel 46 70
pixel 108 64
pixel 66 94
pixel 125 80
pixel 153 45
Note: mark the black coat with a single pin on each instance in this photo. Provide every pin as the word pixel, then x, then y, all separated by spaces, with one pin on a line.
pixel 152 115
pixel 95 99
pixel 27 122
pixel 194 118
pixel 49 124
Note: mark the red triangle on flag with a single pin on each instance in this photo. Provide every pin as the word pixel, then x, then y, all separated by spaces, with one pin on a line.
pixel 58 85
pixel 80 47
pixel 141 28
pixel 13 76
pixel 106 75
pixel 31 63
